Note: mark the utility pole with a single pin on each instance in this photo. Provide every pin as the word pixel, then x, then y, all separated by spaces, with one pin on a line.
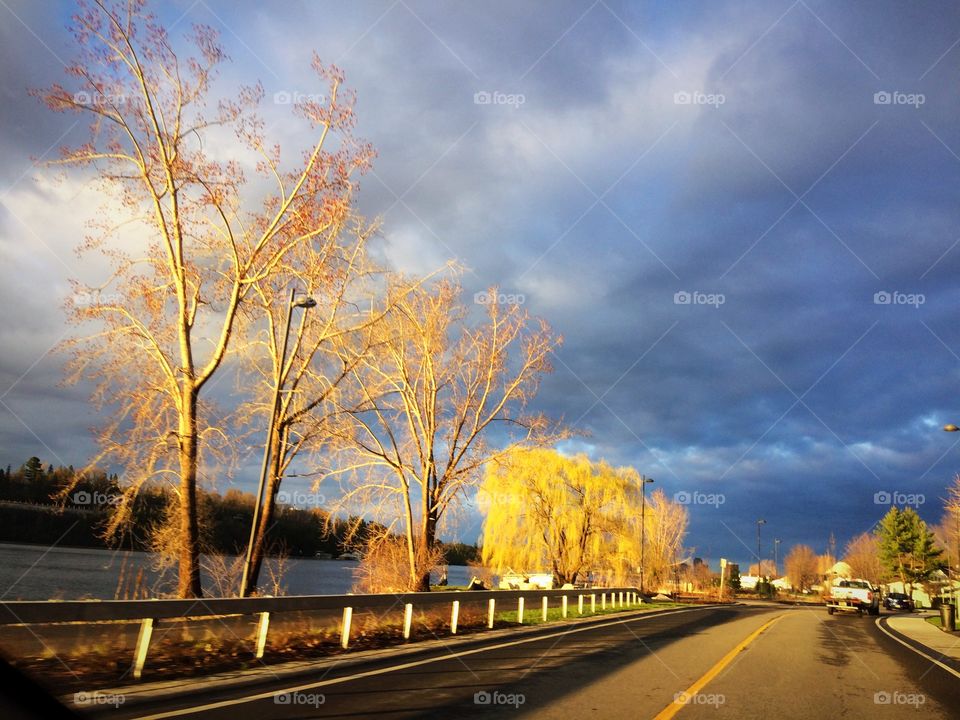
pixel 643 527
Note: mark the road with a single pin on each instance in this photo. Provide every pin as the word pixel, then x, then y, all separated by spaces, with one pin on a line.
pixel 735 661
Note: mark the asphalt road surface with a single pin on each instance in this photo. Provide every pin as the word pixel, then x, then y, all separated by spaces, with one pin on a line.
pixel 735 661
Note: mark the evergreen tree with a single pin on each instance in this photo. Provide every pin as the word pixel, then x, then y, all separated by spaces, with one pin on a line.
pixel 908 550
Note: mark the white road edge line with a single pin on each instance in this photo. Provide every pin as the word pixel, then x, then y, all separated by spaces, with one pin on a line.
pixel 404 666
pixel 918 652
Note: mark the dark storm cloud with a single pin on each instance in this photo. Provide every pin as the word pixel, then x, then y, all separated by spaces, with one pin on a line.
pixel 602 195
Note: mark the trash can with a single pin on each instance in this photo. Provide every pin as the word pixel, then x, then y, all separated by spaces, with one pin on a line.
pixel 948 617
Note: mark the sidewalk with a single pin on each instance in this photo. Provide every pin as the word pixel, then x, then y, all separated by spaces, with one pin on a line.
pixel 943 646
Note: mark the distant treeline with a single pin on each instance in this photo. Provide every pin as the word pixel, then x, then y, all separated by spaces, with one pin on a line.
pixel 35 508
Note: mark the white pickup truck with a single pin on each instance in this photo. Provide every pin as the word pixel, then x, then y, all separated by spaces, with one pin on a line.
pixel 853 596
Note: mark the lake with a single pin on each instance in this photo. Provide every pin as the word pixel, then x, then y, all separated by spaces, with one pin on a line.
pixel 36 572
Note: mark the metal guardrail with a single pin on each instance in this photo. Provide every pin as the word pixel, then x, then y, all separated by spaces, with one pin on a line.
pixel 149 612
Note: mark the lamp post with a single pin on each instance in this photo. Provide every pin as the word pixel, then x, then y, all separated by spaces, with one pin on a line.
pixel 643 527
pixel 956 509
pixel 776 557
pixel 759 523
pixel 305 303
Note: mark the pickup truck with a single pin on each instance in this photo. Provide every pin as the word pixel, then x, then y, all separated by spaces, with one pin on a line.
pixel 853 596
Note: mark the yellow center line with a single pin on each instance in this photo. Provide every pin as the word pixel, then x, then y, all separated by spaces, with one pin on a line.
pixel 681 699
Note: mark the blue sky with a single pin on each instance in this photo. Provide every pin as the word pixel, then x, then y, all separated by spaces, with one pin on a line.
pixel 785 167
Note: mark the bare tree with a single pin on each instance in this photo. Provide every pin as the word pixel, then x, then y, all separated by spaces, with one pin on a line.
pixel 863 556
pixel 441 396
pixel 801 566
pixel 328 340
pixel 166 316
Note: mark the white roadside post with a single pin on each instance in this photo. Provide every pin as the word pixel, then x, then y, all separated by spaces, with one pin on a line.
pixel 579 604
pixel 407 620
pixel 262 626
pixel 345 627
pixel 544 608
pixel 491 610
pixel 143 642
pixel 563 607
pixel 520 611
pixel 603 601
pixel 454 617
pixel 593 602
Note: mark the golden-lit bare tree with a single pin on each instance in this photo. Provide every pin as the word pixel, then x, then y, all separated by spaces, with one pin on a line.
pixel 165 318
pixel 441 396
pixel 948 531
pixel 801 566
pixel 666 530
pixel 863 556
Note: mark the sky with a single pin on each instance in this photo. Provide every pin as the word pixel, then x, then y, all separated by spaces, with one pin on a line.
pixel 737 214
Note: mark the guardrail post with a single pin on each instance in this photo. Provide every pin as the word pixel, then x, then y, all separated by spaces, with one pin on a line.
pixel 603 601
pixel 621 599
pixel 520 611
pixel 579 604
pixel 345 627
pixel 491 609
pixel 593 602
pixel 143 642
pixel 454 617
pixel 544 608
pixel 407 620
pixel 262 633
pixel 563 606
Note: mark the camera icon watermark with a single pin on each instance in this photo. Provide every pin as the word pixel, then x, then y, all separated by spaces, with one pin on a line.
pixel 896 97
pixel 94 498
pixel 695 297
pixel 899 499
pixel 697 97
pixel 295 97
pixel 487 97
pixel 300 698
pixel 99 698
pixel 495 697
pixel 98 99
pixel 895 297
pixel 92 299
pixel 695 497
pixel 498 298
pixel 899 698
pixel 685 698
pixel 296 497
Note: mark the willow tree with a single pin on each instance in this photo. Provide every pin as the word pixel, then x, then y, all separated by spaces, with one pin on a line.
pixel 666 522
pixel 442 394
pixel 199 235
pixel 568 515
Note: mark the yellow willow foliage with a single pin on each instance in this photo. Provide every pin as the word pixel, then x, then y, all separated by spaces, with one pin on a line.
pixel 566 515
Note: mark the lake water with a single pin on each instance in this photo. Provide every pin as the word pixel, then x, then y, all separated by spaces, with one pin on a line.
pixel 36 572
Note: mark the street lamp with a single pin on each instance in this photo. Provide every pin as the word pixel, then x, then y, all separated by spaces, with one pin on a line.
pixel 643 526
pixel 776 557
pixel 953 428
pixel 305 303
pixel 759 523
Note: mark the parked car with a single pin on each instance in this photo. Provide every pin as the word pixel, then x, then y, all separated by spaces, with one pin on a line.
pixel 898 601
pixel 856 595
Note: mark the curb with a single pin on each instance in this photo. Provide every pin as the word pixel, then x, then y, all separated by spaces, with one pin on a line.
pixel 949 664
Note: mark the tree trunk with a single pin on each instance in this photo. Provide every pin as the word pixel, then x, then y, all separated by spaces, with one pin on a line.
pixel 188 585
pixel 267 512
pixel 427 541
